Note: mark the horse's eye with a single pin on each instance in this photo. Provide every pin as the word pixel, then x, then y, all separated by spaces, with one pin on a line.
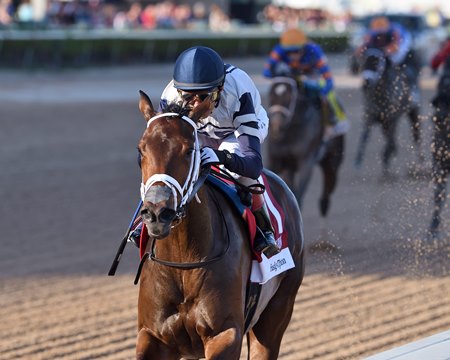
pixel 189 152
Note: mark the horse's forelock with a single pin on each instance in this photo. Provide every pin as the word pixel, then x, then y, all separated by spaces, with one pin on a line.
pixel 177 108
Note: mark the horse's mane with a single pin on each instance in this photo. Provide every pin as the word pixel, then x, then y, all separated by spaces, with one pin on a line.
pixel 177 108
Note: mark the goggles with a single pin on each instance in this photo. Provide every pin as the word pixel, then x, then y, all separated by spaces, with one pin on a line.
pixel 190 96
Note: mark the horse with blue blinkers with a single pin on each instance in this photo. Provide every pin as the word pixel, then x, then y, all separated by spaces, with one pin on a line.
pixel 192 293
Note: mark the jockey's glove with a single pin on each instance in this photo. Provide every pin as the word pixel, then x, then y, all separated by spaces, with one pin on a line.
pixel 209 156
pixel 311 84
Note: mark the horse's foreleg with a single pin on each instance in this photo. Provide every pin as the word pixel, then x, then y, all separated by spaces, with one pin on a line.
pixel 413 115
pixel 149 348
pixel 330 166
pixel 224 346
pixel 302 178
pixel 362 145
pixel 440 194
pixel 416 132
pixel 266 336
pixel 389 127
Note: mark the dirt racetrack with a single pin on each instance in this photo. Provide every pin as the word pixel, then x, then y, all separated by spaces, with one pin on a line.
pixel 69 183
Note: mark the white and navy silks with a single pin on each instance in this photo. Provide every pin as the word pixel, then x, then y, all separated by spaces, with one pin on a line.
pixel 238 123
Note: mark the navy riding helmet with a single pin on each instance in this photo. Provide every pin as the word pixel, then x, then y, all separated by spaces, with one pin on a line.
pixel 198 68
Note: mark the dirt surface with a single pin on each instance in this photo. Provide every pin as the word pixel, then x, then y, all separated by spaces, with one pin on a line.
pixel 69 183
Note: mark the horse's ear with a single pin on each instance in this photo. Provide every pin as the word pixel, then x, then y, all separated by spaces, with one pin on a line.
pixel 146 106
pixel 201 111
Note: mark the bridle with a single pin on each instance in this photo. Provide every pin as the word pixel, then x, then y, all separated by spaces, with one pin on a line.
pixel 286 111
pixel 374 75
pixel 195 179
pixel 185 191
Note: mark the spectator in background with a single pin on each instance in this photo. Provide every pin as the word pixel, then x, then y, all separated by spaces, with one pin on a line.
pixel 130 19
pixel 199 19
pixel 218 20
pixel 164 15
pixel 24 12
pixel 182 14
pixel 6 12
pixel 148 17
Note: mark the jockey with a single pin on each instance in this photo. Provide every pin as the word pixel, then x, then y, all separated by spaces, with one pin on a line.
pixel 441 57
pixel 232 133
pixel 296 55
pixel 396 42
pixel 443 88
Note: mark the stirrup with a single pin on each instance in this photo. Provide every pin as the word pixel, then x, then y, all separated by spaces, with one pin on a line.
pixel 265 243
pixel 271 250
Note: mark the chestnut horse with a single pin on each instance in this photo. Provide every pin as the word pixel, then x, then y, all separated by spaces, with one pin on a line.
pixel 193 287
pixel 295 143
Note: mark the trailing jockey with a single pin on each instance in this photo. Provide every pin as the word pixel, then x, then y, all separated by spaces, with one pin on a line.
pixel 297 56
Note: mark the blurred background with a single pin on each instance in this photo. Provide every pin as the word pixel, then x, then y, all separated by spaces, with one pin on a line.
pixel 55 33
pixel 70 72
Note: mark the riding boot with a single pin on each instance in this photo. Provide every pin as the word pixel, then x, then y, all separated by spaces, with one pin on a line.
pixel 264 239
pixel 338 123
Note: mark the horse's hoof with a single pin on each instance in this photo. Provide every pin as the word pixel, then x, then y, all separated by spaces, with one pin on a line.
pixel 435 221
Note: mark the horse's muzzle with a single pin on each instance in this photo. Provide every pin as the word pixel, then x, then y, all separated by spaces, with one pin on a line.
pixel 158 219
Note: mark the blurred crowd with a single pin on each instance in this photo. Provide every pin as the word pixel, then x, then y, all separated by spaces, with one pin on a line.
pixel 166 14
pixel 114 15
pixel 282 18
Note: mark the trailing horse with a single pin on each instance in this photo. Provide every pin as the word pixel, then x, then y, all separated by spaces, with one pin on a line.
pixel 441 146
pixel 388 94
pixel 295 142
pixel 198 262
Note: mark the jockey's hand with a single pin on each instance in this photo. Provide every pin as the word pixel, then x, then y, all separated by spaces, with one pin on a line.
pixel 209 157
pixel 311 84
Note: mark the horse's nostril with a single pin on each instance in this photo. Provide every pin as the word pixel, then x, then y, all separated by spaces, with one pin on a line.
pixel 166 215
pixel 148 215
